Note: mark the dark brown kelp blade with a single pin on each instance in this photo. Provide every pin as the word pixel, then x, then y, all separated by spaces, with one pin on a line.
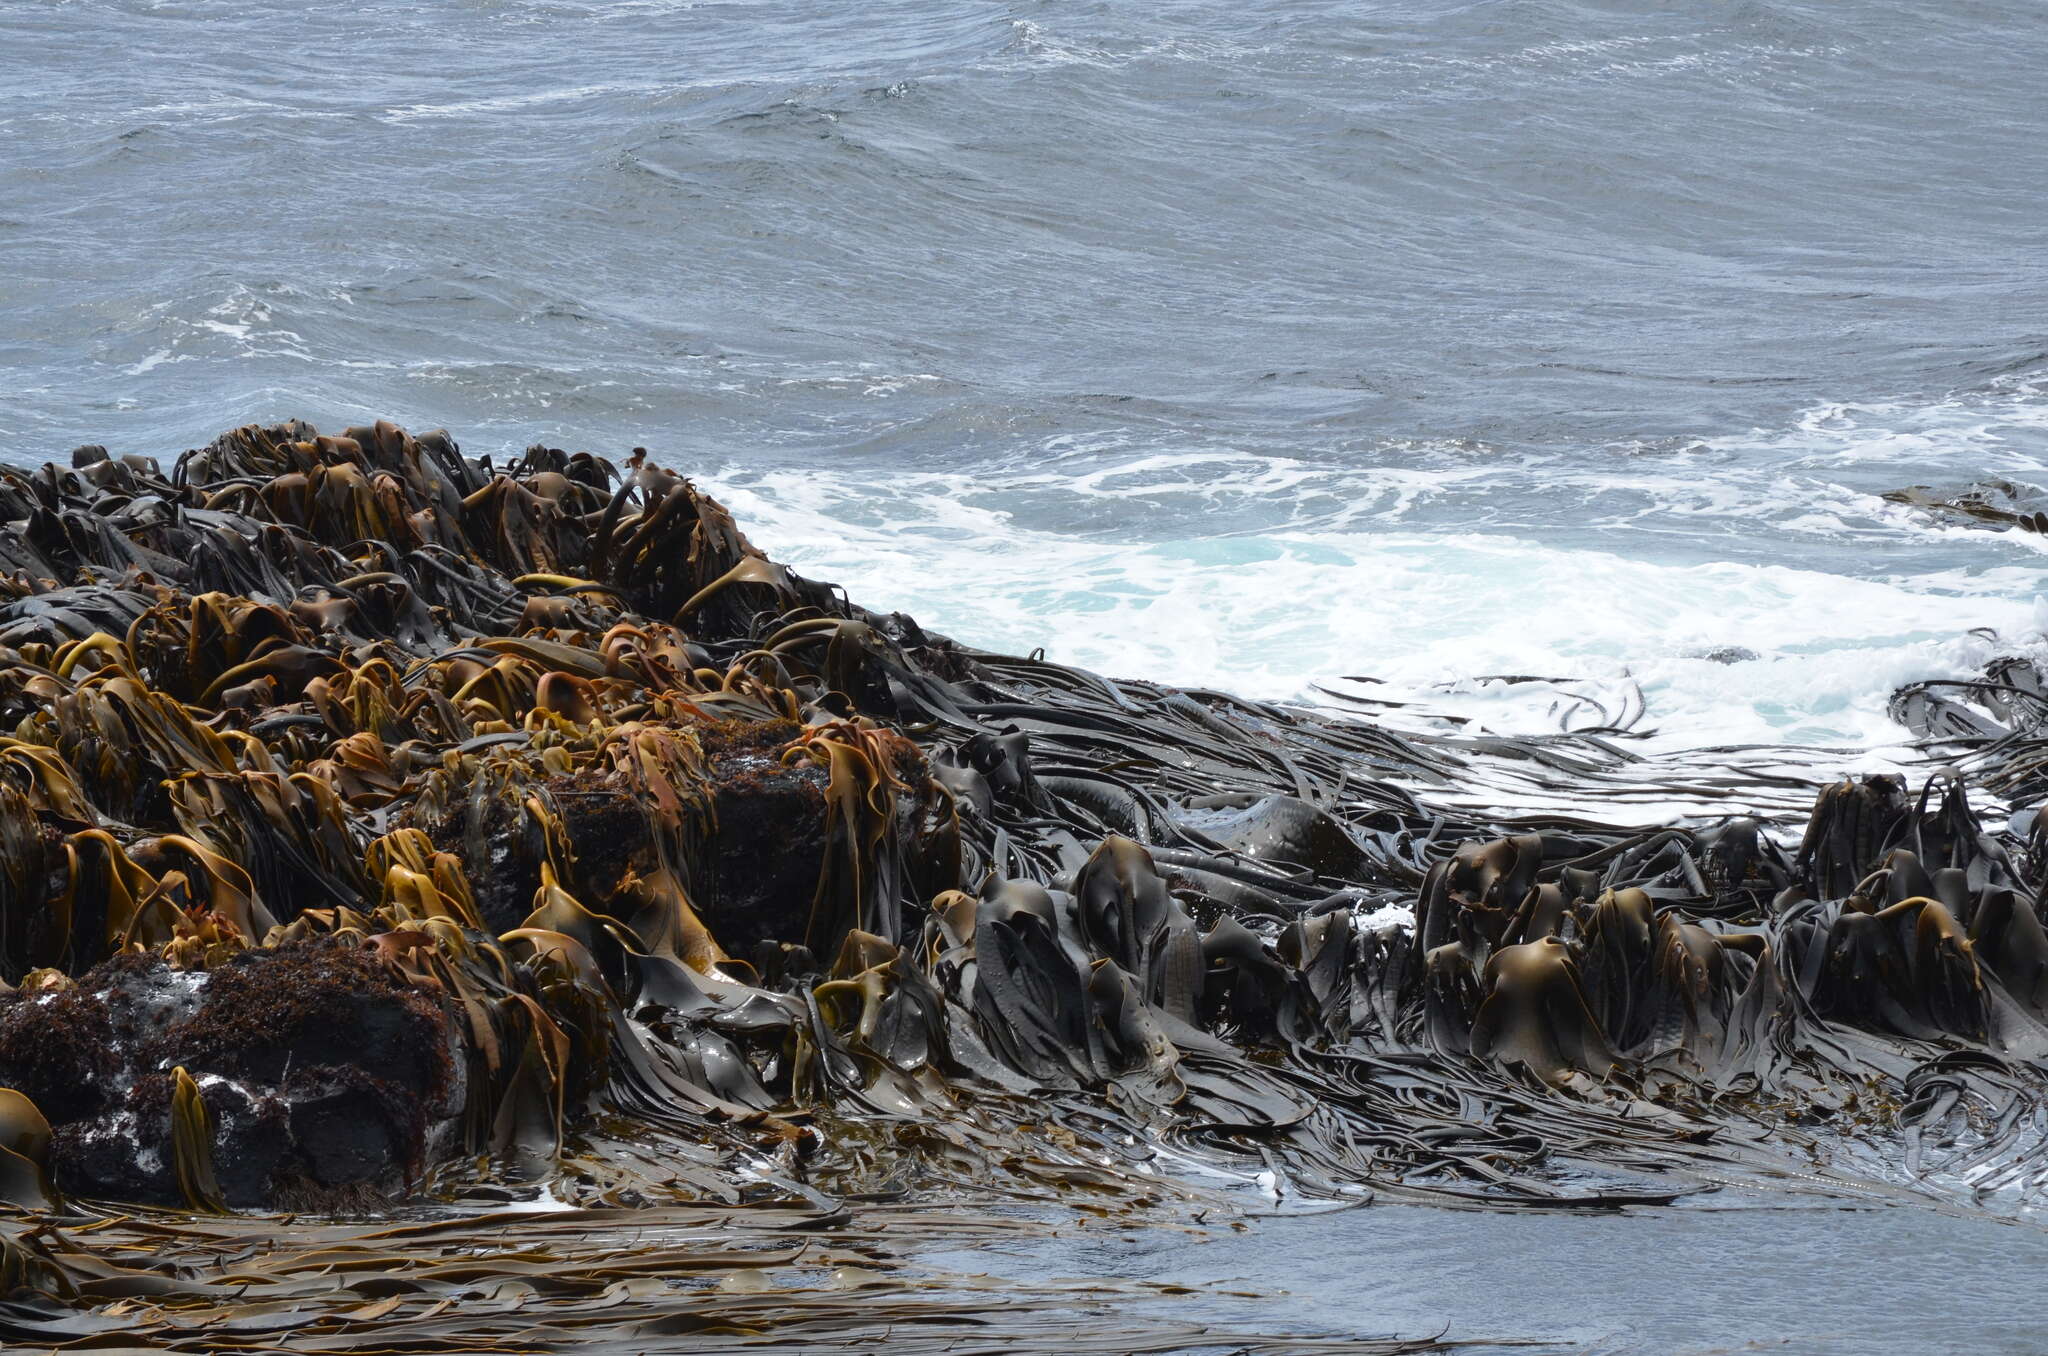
pixel 192 1145
pixel 24 1153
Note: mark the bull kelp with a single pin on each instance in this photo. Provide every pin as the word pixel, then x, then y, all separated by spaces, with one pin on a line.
pixel 450 905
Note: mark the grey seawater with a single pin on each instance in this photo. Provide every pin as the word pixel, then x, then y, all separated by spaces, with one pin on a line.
pixel 1240 343
pixel 1675 1282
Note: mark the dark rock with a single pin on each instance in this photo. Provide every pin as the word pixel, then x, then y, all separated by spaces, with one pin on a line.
pixel 144 996
pixel 761 875
pixel 319 1066
pixel 1278 829
pixel 113 1157
pixel 57 1049
pixel 344 1137
pixel 307 1005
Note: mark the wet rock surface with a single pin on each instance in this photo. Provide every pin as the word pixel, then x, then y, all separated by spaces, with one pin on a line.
pixel 319 1066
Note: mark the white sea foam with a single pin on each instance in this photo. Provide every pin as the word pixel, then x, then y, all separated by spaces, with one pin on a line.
pixel 1381 589
pixel 1272 615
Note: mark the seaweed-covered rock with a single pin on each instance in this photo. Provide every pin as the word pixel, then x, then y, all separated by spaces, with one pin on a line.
pixel 58 1050
pixel 759 879
pixel 316 1061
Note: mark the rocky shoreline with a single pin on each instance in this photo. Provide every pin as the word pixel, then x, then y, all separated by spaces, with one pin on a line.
pixel 380 826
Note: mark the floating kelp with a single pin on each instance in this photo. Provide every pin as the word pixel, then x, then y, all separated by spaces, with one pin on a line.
pixel 377 824
pixel 1992 503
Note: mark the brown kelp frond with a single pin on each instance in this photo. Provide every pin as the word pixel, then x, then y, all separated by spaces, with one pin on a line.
pixel 24 1153
pixel 192 1145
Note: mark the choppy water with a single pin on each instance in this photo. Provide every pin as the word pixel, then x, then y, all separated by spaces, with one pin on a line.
pixel 1239 344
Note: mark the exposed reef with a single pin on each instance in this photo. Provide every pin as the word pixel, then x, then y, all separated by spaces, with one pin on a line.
pixel 379 824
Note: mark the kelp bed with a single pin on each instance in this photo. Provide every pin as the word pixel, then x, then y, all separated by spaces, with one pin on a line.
pixel 389 839
pixel 628 1280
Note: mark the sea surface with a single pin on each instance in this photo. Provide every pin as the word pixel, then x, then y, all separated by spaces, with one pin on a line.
pixel 1254 345
pixel 1744 1277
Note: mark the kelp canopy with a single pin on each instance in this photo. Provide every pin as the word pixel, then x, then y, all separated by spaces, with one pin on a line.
pixel 377 824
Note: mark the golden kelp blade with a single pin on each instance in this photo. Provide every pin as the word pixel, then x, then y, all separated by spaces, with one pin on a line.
pixel 192 1145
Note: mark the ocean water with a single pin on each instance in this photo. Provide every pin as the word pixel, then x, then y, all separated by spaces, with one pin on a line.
pixel 1249 345
pixel 1738 1278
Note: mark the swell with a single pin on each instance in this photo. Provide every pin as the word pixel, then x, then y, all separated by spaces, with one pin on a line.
pixel 1456 224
